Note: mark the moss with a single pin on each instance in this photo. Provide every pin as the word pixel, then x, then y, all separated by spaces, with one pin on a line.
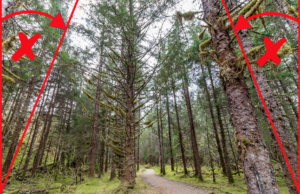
pixel 213 52
pixel 221 23
pixel 178 15
pixel 18 5
pixel 188 16
pixel 292 11
pixel 7 79
pixel 253 9
pixel 9 43
pixel 205 44
pixel 10 73
pixel 248 7
pixel 201 35
pixel 245 142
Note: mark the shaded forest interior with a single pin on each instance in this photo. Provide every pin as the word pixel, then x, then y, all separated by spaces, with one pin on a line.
pixel 150 84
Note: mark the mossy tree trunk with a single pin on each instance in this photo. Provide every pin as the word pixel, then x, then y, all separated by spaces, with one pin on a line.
pixel 258 171
pixel 276 116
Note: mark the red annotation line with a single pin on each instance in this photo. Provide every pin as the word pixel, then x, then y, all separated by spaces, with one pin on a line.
pixel 1 100
pixel 298 99
pixel 27 12
pixel 257 87
pixel 272 14
pixel 38 98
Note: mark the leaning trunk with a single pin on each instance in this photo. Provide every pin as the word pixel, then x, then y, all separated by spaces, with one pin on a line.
pixel 258 171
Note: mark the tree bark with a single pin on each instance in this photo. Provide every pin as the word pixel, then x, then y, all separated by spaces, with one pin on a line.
pixel 214 125
pixel 162 141
pixel 95 126
pixel 170 136
pixel 192 128
pixel 276 116
pixel 258 171
pixel 180 134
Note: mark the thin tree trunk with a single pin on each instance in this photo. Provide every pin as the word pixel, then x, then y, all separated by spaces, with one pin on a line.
pixel 162 141
pixel 214 125
pixel 180 134
pixel 170 136
pixel 192 128
pixel 159 142
pixel 102 152
pixel 138 145
pixel 95 125
pixel 45 132
pixel 35 133
pixel 210 158
pixel 20 125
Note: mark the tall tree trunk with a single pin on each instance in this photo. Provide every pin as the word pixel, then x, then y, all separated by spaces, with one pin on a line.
pixel 276 116
pixel 226 156
pixel 210 158
pixel 214 125
pixel 180 134
pixel 35 133
pixel 159 142
pixel 20 125
pixel 170 136
pixel 162 141
pixel 258 171
pixel 102 151
pixel 192 128
pixel 45 132
pixel 138 145
pixel 106 159
pixel 95 125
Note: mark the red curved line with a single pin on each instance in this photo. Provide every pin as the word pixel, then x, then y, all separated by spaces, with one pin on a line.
pixel 273 13
pixel 28 12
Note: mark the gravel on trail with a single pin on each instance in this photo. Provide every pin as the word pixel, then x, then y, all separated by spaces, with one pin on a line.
pixel 167 186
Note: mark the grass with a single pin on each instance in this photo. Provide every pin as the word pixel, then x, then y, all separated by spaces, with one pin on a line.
pixel 220 186
pixel 88 186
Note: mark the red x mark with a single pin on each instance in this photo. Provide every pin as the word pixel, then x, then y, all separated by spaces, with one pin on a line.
pixel 26 46
pixel 271 53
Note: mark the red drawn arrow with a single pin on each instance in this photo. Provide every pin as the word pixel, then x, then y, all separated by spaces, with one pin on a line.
pixel 57 21
pixel 242 24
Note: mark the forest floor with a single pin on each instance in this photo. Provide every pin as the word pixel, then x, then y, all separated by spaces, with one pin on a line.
pixel 147 182
pixel 221 185
pixel 168 186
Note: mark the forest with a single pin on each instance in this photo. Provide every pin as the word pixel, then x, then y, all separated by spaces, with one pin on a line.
pixel 150 96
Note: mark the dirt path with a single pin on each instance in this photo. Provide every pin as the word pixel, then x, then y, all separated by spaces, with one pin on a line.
pixel 167 186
